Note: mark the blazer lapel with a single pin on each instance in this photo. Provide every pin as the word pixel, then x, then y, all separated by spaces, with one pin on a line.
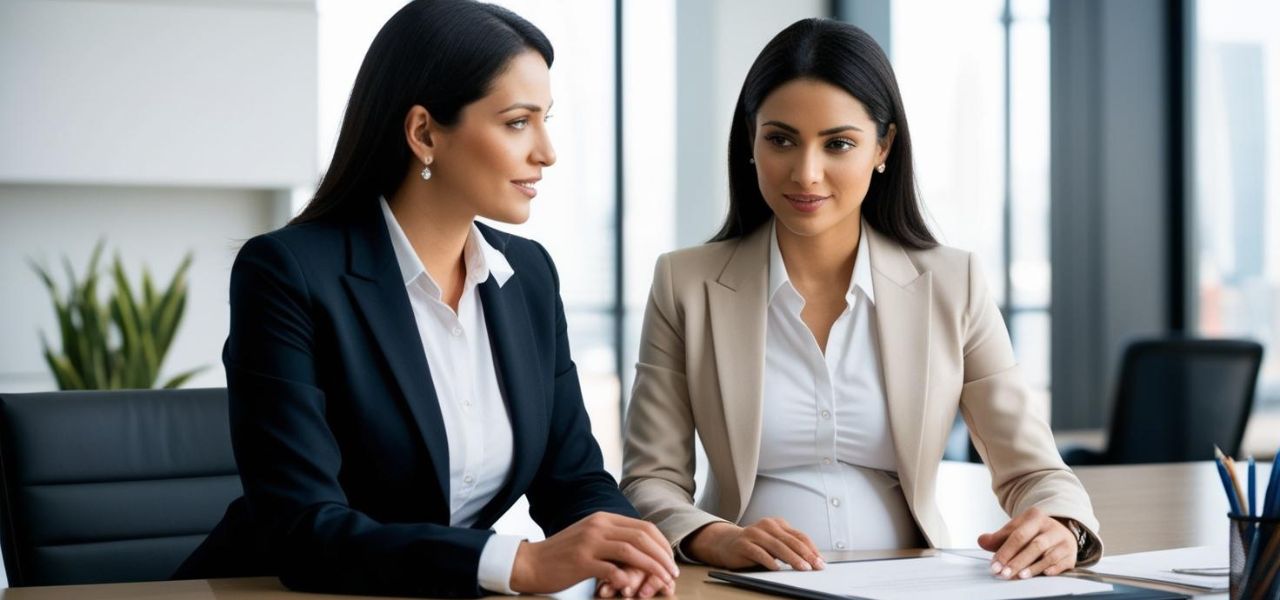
pixel 519 366
pixel 376 284
pixel 738 306
pixel 903 298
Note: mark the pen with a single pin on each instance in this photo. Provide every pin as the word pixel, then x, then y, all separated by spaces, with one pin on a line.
pixel 1253 488
pixel 1269 508
pixel 1204 572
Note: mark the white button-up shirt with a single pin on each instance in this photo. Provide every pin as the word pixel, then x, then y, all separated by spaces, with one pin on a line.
pixel 827 460
pixel 466 384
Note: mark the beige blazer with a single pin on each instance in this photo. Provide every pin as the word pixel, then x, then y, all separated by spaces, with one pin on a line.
pixel 943 348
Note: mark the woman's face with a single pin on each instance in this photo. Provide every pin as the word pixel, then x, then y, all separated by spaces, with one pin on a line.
pixel 492 157
pixel 816 151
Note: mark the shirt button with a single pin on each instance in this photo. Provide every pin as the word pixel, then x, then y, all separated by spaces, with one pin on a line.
pixel 826 461
pixel 469 479
pixel 840 545
pixel 835 502
pixel 457 331
pixel 826 414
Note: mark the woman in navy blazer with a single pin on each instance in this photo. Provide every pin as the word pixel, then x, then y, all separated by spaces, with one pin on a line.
pixel 337 426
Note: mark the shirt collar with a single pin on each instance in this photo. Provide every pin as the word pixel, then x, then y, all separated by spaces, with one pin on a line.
pixel 481 259
pixel 861 268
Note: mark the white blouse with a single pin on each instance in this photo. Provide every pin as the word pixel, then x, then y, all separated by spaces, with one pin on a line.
pixel 827 460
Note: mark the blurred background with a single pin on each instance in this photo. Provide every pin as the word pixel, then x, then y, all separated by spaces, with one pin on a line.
pixel 1113 163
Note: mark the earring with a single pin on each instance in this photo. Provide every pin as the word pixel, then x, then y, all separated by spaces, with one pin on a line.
pixel 426 169
pixel 880 169
pixel 751 160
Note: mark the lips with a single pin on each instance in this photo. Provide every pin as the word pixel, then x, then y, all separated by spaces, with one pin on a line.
pixel 806 203
pixel 526 186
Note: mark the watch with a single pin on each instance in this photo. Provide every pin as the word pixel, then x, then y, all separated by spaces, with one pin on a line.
pixel 1081 535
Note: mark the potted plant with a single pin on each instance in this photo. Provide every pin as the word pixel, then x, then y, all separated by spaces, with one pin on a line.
pixel 122 343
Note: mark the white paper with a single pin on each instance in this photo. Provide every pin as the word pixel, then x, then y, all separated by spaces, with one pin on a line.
pixel 944 576
pixel 1158 566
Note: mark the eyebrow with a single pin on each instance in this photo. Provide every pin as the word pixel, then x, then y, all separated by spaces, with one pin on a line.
pixel 833 130
pixel 527 106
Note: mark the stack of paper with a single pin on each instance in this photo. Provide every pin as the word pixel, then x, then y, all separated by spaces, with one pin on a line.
pixel 1159 567
pixel 944 576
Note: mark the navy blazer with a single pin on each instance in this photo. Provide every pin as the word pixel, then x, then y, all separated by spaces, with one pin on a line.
pixel 337 429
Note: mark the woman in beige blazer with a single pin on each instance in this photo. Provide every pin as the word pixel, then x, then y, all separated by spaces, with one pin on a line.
pixel 824 216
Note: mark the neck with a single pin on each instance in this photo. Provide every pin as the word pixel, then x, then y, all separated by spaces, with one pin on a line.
pixel 436 228
pixel 826 257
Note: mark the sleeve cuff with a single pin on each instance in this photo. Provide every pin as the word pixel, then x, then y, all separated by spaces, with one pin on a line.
pixel 496 562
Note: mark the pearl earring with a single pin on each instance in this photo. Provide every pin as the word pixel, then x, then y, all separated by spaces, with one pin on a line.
pixel 880 169
pixel 751 160
pixel 426 169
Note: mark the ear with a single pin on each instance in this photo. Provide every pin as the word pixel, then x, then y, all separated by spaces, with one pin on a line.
pixel 418 127
pixel 885 143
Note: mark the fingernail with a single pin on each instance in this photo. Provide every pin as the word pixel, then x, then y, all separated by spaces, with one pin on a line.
pixel 646 592
pixel 996 566
pixel 626 592
pixel 822 563
pixel 1006 573
pixel 1024 574
pixel 804 566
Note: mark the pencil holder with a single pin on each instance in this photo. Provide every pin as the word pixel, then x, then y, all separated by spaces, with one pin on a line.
pixel 1255 558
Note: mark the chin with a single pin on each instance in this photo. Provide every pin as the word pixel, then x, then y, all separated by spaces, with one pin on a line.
pixel 511 215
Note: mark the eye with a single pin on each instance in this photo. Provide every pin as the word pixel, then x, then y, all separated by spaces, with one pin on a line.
pixel 778 140
pixel 518 124
pixel 841 145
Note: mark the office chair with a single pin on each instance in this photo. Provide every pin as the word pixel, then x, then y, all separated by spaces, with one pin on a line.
pixel 1177 398
pixel 105 487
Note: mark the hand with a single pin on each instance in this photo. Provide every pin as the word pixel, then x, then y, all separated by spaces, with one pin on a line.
pixel 1030 544
pixel 763 543
pixel 602 546
pixel 641 586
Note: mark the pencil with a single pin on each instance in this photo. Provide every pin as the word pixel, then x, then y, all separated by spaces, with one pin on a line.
pixel 1232 501
pixel 1235 482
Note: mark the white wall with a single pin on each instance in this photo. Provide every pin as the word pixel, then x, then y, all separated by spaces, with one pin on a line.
pixel 193 92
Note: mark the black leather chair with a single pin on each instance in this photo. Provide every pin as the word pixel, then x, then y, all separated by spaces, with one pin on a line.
pixel 1177 398
pixel 103 487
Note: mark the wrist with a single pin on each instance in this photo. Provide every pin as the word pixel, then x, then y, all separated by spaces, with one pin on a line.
pixel 522 571
pixel 701 545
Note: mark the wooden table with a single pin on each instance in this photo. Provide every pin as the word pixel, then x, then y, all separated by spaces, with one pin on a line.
pixel 1141 507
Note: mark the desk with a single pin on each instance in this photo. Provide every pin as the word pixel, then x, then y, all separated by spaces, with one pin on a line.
pixel 1141 507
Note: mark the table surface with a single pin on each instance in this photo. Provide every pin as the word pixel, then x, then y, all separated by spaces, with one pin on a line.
pixel 1140 507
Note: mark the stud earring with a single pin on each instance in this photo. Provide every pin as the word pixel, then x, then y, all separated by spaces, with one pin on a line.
pixel 426 169
pixel 751 160
pixel 880 169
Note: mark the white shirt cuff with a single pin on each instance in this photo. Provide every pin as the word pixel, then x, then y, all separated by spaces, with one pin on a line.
pixel 496 562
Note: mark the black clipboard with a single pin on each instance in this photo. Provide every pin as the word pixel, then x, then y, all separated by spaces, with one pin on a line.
pixel 1121 592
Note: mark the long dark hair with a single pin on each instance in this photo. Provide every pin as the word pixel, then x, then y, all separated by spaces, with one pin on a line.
pixel 440 54
pixel 846 57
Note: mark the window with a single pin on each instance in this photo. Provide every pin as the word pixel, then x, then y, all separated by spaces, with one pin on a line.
pixel 1237 190
pixel 975 84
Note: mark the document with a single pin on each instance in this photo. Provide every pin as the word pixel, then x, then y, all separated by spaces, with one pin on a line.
pixel 1159 567
pixel 946 576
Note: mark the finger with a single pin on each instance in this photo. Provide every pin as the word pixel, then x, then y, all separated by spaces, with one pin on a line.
pixel 992 541
pixel 1063 566
pixel 1012 545
pixel 1054 556
pixel 759 555
pixel 604 590
pixel 807 549
pixel 610 574
pixel 1032 552
pixel 652 587
pixel 629 555
pixel 660 551
pixel 780 545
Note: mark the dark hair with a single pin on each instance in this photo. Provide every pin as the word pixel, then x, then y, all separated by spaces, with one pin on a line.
pixel 440 54
pixel 846 57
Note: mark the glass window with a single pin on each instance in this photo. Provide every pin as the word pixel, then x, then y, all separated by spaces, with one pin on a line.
pixel 1237 142
pixel 975 84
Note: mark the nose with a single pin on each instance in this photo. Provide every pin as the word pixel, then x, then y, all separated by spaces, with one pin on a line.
pixel 808 170
pixel 543 153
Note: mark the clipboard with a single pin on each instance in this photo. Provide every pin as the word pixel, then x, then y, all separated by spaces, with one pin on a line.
pixel 1120 591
